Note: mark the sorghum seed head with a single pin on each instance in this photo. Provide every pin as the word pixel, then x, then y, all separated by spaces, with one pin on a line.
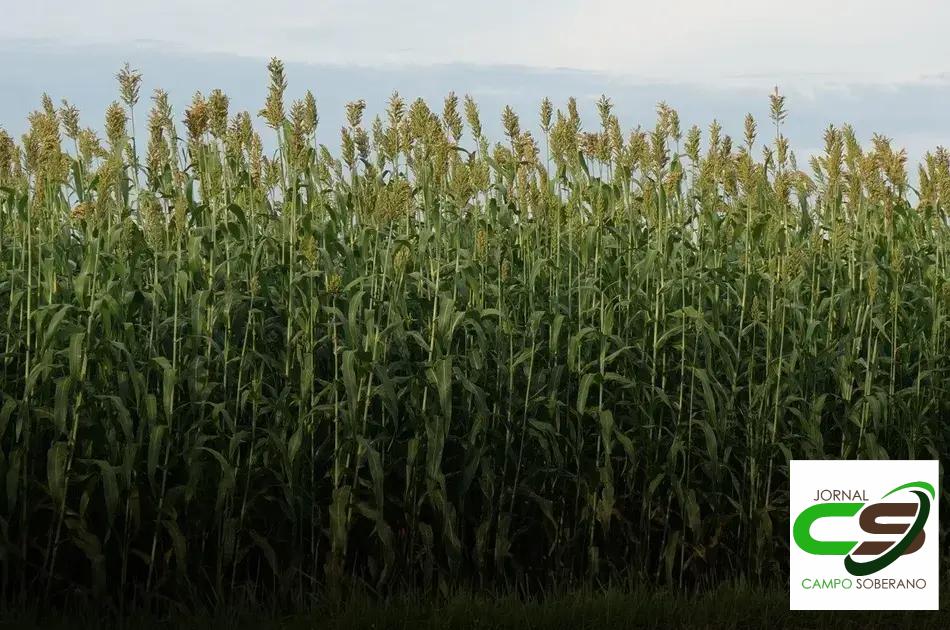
pixel 115 124
pixel 310 116
pixel 692 144
pixel 69 114
pixel 509 120
pixel 396 110
pixel 546 111
pixel 750 131
pixel 450 116
pixel 604 107
pixel 197 117
pixel 273 110
pixel 471 115
pixel 354 112
pixel 777 106
pixel 129 82
pixel 218 103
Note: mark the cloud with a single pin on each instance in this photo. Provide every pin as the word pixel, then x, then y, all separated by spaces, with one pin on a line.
pixel 807 40
pixel 756 42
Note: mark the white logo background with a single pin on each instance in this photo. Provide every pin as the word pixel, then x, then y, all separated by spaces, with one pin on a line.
pixel 875 478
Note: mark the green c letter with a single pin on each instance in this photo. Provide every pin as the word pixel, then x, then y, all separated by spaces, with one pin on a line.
pixel 801 531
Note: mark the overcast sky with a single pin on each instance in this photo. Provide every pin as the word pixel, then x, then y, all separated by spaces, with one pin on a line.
pixel 882 65
pixel 696 40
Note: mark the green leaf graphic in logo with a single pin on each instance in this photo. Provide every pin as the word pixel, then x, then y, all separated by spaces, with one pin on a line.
pixel 860 569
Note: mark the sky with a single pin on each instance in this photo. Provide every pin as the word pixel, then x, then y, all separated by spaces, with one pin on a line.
pixel 883 66
pixel 697 40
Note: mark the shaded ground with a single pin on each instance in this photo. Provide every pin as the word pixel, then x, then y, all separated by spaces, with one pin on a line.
pixel 723 608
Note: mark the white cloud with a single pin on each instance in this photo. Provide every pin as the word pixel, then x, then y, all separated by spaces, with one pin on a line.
pixel 708 41
pixel 862 40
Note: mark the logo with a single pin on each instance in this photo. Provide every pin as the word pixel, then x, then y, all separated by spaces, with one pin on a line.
pixel 864 535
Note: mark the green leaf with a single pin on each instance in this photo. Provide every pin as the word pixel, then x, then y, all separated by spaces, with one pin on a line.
pixel 56 462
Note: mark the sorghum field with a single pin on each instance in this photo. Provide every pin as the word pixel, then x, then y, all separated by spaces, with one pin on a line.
pixel 426 358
